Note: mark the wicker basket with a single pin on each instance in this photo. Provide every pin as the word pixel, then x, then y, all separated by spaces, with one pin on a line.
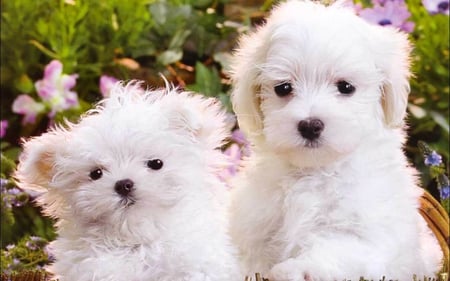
pixel 26 276
pixel 438 221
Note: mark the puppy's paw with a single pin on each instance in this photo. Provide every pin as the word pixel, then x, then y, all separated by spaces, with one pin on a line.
pixel 289 270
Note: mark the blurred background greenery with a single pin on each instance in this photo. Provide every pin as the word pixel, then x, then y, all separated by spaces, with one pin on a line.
pixel 187 41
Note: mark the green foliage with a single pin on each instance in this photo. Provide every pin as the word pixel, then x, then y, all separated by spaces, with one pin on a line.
pixel 208 82
pixel 437 172
pixel 28 254
pixel 90 37
pixel 429 99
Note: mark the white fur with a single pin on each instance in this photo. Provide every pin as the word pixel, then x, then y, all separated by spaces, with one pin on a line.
pixel 346 206
pixel 177 227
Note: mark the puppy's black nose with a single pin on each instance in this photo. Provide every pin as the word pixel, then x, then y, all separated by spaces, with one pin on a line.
pixel 311 129
pixel 124 187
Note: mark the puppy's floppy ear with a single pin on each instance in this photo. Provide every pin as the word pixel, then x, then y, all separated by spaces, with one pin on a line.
pixel 37 162
pixel 248 59
pixel 199 118
pixel 393 59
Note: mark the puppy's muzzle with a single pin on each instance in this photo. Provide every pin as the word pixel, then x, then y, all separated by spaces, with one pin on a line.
pixel 124 187
pixel 310 128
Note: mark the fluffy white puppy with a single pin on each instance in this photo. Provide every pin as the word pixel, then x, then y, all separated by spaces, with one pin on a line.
pixel 134 188
pixel 327 193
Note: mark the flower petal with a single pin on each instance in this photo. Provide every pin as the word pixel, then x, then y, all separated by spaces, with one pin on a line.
pixel 27 106
pixel 67 82
pixel 45 89
pixel 393 13
pixel 53 71
pixel 433 159
pixel 3 128
pixel 106 84
pixel 445 192
pixel 436 6
pixel 71 99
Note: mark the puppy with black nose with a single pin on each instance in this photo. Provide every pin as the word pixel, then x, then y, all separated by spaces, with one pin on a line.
pixel 327 193
pixel 134 189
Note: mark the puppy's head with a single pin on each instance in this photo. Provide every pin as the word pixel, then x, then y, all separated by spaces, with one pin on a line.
pixel 135 155
pixel 315 80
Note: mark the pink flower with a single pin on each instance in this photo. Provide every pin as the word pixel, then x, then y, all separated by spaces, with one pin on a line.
pixel 238 137
pixel 239 149
pixel 437 6
pixel 27 106
pixel 234 155
pixel 382 2
pixel 3 127
pixel 106 84
pixel 54 88
pixel 391 12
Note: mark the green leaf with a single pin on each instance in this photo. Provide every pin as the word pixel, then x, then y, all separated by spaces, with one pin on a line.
pixel 8 165
pixel 440 120
pixel 207 81
pixel 178 39
pixel 43 49
pixel 169 57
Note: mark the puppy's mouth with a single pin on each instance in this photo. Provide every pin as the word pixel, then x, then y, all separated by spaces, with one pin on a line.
pixel 127 201
pixel 312 144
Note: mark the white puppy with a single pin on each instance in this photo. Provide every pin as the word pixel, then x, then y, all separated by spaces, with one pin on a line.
pixel 134 188
pixel 327 193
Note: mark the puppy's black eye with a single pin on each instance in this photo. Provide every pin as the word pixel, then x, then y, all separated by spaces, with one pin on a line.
pixel 345 88
pixel 283 89
pixel 155 164
pixel 96 174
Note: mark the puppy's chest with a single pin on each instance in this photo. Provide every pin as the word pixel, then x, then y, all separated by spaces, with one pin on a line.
pixel 311 204
pixel 310 200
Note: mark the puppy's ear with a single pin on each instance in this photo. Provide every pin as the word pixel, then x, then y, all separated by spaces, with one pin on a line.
pixel 245 74
pixel 37 162
pixel 199 118
pixel 394 62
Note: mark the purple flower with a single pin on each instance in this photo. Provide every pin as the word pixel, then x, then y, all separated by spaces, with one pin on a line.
pixel 36 238
pixel 106 84
pixel 30 245
pixel 234 156
pixel 14 191
pixel 35 243
pixel 13 265
pixel 238 137
pixel 13 196
pixel 433 159
pixel 436 6
pixel 3 127
pixel 445 192
pixel 389 12
pixel 48 250
pixel 27 106
pixel 380 2
pixel 3 183
pixel 54 88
